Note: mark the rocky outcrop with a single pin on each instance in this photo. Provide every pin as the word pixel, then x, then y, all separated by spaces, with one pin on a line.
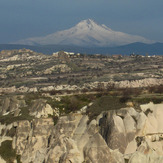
pixel 40 109
pixel 114 136
pixel 148 82
pixel 32 138
pixel 145 153
pixel 127 130
pixel 2 160
pixel 70 140
pixel 118 128
pixel 75 141
pixel 58 68
pixel 6 132
pixel 11 105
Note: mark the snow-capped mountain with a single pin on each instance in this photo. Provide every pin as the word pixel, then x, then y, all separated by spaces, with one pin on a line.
pixel 86 33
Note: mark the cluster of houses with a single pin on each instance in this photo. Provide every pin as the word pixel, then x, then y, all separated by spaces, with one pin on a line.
pixel 142 56
pixel 66 54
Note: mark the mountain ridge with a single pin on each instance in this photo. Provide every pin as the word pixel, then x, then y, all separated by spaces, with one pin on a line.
pixel 137 48
pixel 87 33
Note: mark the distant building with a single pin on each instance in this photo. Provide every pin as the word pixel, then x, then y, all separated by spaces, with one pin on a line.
pixel 55 55
pixel 136 55
pixel 62 54
pixel 117 56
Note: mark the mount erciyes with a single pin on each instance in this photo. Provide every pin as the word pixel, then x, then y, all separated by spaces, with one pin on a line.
pixel 86 33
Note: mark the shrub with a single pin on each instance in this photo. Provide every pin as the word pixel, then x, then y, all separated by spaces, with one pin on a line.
pixel 6 151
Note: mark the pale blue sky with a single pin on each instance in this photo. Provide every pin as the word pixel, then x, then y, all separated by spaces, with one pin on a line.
pixel 29 18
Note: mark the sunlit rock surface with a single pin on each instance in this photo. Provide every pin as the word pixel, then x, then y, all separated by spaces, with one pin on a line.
pixel 115 136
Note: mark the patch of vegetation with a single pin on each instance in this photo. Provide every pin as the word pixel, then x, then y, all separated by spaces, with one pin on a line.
pixel 32 96
pixel 18 158
pixel 105 103
pixel 23 83
pixel 7 119
pixel 73 66
pixel 55 120
pixel 25 114
pixel 156 89
pixel 7 152
pixel 144 99
pixel 71 103
pixel 11 132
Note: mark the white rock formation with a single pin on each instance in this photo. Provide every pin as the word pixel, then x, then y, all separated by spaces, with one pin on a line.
pixel 114 136
pixel 40 109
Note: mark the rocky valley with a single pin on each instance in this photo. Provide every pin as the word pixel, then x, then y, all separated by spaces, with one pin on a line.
pixel 77 108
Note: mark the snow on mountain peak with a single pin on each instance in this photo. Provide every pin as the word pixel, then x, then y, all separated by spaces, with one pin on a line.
pixel 89 23
pixel 86 22
pixel 90 27
pixel 87 33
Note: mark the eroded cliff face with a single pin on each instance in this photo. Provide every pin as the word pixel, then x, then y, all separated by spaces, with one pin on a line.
pixel 114 136
pixel 70 140
pixel 11 105
pixel 137 135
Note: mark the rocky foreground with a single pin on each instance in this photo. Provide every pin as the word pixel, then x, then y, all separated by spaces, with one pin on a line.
pixel 115 136
pixel 78 108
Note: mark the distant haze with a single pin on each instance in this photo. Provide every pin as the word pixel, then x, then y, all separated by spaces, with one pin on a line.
pixel 25 19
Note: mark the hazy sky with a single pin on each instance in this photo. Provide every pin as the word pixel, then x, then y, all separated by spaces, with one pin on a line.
pixel 29 18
